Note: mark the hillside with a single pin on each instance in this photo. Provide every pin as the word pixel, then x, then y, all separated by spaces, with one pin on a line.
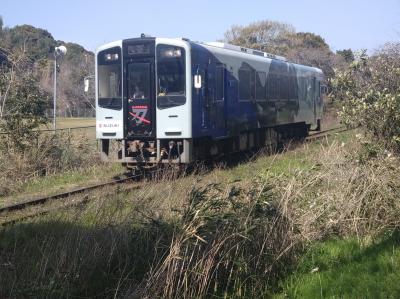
pixel 37 46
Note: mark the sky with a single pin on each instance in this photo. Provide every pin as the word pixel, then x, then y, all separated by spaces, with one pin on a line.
pixel 344 24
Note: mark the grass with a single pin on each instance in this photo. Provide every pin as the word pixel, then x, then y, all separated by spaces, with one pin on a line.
pixel 50 163
pixel 251 230
pixel 52 184
pixel 288 163
pixel 348 268
pixel 73 122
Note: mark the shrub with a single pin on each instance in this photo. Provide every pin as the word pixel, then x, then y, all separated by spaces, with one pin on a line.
pixel 369 91
pixel 44 154
pixel 233 242
pixel 25 151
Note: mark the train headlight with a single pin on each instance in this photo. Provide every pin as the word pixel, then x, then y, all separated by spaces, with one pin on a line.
pixel 172 53
pixel 111 57
pixel 177 53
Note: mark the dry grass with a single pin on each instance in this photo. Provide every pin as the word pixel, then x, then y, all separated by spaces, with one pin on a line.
pixel 47 154
pixel 198 237
pixel 236 240
pixel 344 195
pixel 72 122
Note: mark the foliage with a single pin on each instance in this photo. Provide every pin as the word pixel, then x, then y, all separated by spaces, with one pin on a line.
pixel 230 243
pixel 22 102
pixel 38 46
pixel 311 40
pixel 25 151
pixel 282 39
pixel 37 43
pixel 369 90
pixel 43 154
pixel 262 34
pixel 347 54
pixel 24 111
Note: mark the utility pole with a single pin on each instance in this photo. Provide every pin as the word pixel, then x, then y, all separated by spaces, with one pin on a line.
pixel 58 52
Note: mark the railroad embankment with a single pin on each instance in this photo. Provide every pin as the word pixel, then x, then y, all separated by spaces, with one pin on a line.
pixel 317 220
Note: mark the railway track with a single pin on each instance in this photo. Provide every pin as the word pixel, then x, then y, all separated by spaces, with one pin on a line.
pixel 325 133
pixel 32 202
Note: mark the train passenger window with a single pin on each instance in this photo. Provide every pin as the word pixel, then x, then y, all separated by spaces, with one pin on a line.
pixel 309 90
pixel 246 84
pixel 303 88
pixel 319 89
pixel 284 86
pixel 261 92
pixel 273 86
pixel 293 93
pixel 293 87
pixel 324 89
pixel 219 82
pixel 171 76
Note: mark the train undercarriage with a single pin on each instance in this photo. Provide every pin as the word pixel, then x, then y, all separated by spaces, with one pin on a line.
pixel 151 153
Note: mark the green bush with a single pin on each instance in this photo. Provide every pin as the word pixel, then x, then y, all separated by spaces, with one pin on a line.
pixel 369 91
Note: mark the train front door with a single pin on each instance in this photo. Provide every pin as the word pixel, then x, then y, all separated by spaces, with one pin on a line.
pixel 140 99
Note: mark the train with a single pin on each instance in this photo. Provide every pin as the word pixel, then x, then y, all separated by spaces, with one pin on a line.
pixel 177 101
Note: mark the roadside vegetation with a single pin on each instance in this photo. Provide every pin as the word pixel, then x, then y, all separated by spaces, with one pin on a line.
pixel 369 93
pixel 269 227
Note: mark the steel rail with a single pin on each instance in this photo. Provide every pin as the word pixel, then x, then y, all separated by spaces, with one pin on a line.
pixel 325 133
pixel 41 200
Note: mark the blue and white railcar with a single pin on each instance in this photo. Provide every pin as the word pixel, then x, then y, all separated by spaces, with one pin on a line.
pixel 161 100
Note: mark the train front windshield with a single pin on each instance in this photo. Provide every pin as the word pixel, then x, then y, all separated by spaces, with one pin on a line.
pixel 109 76
pixel 171 76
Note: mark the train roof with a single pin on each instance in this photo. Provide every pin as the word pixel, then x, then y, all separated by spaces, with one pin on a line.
pixel 244 50
pixel 224 47
pixel 253 53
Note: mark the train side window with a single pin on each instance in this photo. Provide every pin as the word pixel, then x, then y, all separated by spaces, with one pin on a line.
pixel 261 92
pixel 303 88
pixel 272 86
pixel 319 89
pixel 246 84
pixel 324 89
pixel 219 82
pixel 281 87
pixel 310 91
pixel 293 87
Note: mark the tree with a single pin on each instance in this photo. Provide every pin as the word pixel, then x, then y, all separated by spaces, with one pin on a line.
pixel 347 55
pixel 22 102
pixel 282 39
pixel 369 90
pixel 258 35
pixel 38 46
